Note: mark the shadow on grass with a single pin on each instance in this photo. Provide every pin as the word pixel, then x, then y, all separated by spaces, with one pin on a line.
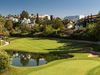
pixel 70 47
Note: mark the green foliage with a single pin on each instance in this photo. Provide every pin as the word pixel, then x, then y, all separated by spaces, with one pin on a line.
pixel 1 29
pixel 24 14
pixel 93 31
pixel 57 23
pixel 2 22
pixel 97 32
pixel 49 30
pixel 9 25
pixel 46 22
pixel 36 28
pixel 65 22
pixel 91 26
pixel 25 28
pixel 37 19
pixel 4 61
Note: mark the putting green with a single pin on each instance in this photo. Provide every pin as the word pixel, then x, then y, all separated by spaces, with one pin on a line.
pixel 42 45
pixel 33 45
pixel 73 67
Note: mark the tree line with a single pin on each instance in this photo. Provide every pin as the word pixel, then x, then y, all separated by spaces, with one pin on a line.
pixel 56 27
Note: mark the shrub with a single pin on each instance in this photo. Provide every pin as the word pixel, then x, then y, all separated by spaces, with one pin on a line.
pixel 97 32
pixel 93 32
pixel 4 61
pixel 49 30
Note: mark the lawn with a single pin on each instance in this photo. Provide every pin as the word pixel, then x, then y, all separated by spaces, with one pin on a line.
pixel 43 45
pixel 33 45
pixel 95 71
pixel 80 64
pixel 59 67
pixel 73 67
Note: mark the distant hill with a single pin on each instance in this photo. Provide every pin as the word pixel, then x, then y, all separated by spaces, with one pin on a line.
pixel 73 18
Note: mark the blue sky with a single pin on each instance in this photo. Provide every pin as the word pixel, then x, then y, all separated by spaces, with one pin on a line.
pixel 59 8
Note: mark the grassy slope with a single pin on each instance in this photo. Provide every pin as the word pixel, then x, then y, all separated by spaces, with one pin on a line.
pixel 95 71
pixel 26 70
pixel 59 67
pixel 73 67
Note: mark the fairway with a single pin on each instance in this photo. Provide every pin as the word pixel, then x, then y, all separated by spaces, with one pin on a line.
pixel 33 45
pixel 95 71
pixel 73 67
pixel 60 67
pixel 43 45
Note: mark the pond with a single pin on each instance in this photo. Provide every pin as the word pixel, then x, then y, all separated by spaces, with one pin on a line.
pixel 24 59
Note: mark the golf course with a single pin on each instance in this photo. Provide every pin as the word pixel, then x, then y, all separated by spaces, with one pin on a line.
pixel 79 64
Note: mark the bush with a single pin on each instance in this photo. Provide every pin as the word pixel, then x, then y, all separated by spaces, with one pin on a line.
pixel 97 32
pixel 49 30
pixel 91 33
pixel 4 61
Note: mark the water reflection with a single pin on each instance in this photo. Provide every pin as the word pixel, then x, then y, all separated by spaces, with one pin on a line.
pixel 34 59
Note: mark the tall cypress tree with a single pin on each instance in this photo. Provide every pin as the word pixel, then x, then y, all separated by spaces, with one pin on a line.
pixel 37 18
pixel 51 17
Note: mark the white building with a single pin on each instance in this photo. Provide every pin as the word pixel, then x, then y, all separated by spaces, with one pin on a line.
pixel 26 21
pixel 15 20
pixel 81 16
pixel 43 16
pixel 70 25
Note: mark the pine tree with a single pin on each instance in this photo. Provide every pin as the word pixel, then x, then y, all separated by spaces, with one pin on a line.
pixel 24 14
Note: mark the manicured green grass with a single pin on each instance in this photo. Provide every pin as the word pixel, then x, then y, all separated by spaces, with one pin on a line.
pixel 17 71
pixel 73 67
pixel 33 45
pixel 94 71
pixel 80 64
pixel 59 67
pixel 43 45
